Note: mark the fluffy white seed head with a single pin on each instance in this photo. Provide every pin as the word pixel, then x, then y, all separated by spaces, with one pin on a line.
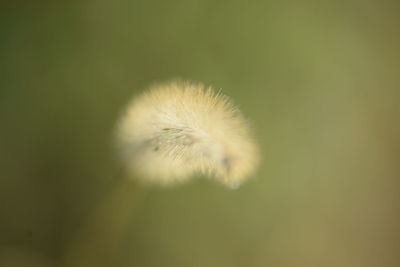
pixel 179 129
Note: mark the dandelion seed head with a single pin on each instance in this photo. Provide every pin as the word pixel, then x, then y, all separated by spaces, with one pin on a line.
pixel 179 129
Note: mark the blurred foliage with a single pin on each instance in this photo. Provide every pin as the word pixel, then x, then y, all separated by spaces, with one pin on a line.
pixel 319 81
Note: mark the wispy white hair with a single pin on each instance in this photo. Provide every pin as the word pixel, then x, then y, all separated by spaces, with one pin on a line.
pixel 178 129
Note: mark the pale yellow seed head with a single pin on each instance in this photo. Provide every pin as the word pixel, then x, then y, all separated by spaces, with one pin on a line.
pixel 179 129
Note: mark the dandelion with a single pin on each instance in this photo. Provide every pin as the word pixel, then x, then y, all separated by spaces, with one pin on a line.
pixel 179 129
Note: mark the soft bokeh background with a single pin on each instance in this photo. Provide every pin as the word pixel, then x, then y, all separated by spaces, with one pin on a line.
pixel 319 80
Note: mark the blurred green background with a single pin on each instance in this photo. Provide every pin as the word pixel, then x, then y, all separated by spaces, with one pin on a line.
pixel 319 80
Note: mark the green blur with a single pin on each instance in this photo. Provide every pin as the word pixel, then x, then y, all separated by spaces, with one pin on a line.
pixel 318 80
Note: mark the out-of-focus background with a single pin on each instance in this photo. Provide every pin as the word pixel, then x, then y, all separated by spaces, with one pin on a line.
pixel 319 80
